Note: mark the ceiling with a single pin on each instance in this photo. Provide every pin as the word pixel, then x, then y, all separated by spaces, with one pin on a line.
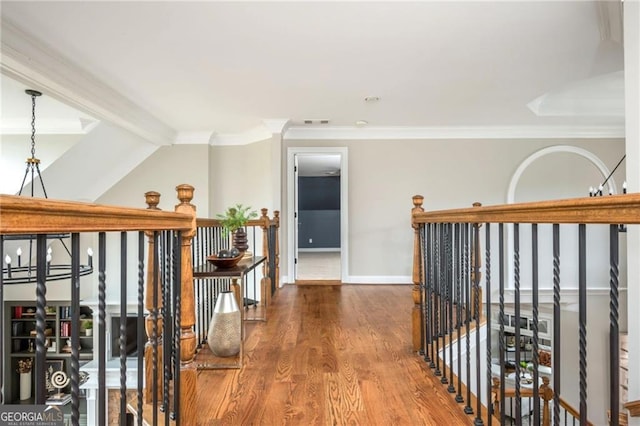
pixel 236 72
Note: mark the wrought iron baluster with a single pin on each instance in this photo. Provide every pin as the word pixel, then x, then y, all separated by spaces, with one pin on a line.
pixel 534 289
pixel 614 342
pixel 582 319
pixel 556 324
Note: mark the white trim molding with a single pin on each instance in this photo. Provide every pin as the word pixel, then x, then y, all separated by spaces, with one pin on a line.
pixel 32 62
pixel 457 132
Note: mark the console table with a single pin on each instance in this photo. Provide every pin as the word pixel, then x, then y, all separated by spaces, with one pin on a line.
pixel 238 275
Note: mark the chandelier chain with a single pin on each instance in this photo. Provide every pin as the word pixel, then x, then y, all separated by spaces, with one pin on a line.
pixel 33 126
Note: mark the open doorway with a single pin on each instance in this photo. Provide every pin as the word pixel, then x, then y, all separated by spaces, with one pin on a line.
pixel 318 202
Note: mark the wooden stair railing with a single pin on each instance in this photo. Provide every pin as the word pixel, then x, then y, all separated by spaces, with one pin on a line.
pixel 443 241
pixel 155 321
pixel 35 216
pixel 633 407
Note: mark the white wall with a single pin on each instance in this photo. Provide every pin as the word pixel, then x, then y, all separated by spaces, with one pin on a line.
pixel 242 175
pixel 384 175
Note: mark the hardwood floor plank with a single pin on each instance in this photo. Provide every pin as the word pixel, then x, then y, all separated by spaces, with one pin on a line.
pixel 330 356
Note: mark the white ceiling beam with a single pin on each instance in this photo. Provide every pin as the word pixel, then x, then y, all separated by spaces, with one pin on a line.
pixel 32 62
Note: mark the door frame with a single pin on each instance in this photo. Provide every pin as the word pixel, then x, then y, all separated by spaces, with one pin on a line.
pixel 292 224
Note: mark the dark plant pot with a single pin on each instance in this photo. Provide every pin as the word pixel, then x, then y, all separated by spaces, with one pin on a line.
pixel 240 240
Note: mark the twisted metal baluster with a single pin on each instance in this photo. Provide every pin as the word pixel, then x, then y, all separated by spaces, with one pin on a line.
pixel 41 302
pixel 467 316
pixel 154 326
pixel 516 279
pixel 177 301
pixel 444 297
pixel 476 305
pixel 534 288
pixel 75 333
pixel 102 322
pixel 582 319
pixel 123 328
pixel 556 324
pixel 450 290
pixel 501 340
pixel 422 275
pixel 438 296
pixel 614 342
pixel 487 275
pixel 431 294
pixel 140 324
pixel 459 272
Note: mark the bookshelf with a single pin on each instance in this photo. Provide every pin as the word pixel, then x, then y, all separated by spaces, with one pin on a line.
pixel 19 334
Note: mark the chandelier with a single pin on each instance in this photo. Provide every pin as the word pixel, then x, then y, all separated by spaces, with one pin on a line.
pixel 21 268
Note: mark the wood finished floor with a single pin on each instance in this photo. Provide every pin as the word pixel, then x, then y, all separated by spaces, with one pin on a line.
pixel 330 355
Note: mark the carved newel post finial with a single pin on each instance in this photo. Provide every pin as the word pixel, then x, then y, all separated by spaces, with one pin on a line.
pixel 152 198
pixel 185 193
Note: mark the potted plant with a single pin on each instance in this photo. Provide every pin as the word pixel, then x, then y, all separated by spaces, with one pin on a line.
pixel 233 221
pixel 88 327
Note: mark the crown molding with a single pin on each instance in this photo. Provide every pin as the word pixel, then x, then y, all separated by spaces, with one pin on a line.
pixel 32 62
pixel 457 132
pixel 256 134
pixel 277 125
pixel 195 138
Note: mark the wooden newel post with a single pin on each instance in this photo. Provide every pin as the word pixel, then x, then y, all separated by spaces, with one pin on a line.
pixel 546 393
pixel 265 282
pixel 276 221
pixel 153 305
pixel 418 275
pixel 188 396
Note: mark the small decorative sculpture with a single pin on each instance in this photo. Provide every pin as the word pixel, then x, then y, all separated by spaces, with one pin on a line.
pixel 59 380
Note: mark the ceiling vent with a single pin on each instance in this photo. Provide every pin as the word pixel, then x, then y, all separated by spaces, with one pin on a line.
pixel 312 121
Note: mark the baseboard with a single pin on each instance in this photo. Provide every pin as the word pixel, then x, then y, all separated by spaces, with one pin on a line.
pixel 367 279
pixel 377 279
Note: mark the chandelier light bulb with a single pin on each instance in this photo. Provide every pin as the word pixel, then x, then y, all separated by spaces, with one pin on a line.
pixel 7 260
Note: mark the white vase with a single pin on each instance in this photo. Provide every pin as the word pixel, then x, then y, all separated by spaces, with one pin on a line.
pixel 25 386
pixel 224 329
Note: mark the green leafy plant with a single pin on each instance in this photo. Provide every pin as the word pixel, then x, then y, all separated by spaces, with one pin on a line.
pixel 88 324
pixel 236 217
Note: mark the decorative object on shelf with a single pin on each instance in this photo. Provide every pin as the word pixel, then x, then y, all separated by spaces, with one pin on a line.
pixel 59 380
pixel 21 270
pixel 224 329
pixel 24 369
pixel 84 377
pixel 234 220
pixel 224 262
pixel 88 327
pixel 52 366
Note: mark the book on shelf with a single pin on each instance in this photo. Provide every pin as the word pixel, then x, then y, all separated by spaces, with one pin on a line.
pixel 59 399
